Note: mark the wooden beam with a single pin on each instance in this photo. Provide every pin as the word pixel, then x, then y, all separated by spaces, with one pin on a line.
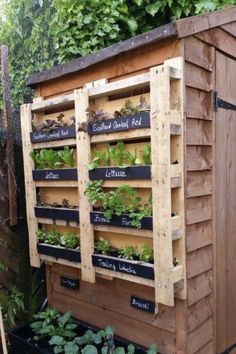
pixel 83 158
pixel 30 187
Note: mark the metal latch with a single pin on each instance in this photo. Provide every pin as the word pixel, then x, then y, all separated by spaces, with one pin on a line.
pixel 219 103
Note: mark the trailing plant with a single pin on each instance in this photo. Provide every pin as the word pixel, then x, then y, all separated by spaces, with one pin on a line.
pixel 128 252
pixel 51 159
pixel 103 246
pixel 123 200
pixel 146 254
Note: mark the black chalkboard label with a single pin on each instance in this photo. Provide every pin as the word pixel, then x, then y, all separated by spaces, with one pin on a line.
pixel 134 268
pixel 98 218
pixel 118 173
pixel 137 121
pixel 57 213
pixel 69 283
pixel 55 134
pixel 66 174
pixel 142 304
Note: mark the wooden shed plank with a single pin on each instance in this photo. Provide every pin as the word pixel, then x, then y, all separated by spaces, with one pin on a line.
pixel 126 64
pixel 199 287
pixel 198 209
pixel 198 132
pixel 198 104
pixel 200 336
pixel 200 312
pixel 230 28
pixel 197 77
pixel 198 235
pixel 199 261
pixel 219 39
pixel 198 183
pixel 198 158
pixel 125 326
pixel 207 349
pixel 187 27
pixel 198 53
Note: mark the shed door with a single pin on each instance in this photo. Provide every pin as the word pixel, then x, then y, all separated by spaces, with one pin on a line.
pixel 225 154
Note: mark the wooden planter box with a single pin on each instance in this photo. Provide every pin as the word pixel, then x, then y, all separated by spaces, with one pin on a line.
pixel 57 213
pixel 22 343
pixel 64 174
pixel 59 252
pixel 137 121
pixel 55 134
pixel 121 173
pixel 113 264
pixel 98 218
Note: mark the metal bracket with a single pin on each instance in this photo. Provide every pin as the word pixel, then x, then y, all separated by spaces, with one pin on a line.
pixel 219 103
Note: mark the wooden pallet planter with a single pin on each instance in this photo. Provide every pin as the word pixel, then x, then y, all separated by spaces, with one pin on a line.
pixel 52 135
pixel 162 178
pixel 59 252
pixel 57 213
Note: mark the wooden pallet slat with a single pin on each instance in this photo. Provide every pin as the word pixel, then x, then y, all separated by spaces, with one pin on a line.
pixel 83 159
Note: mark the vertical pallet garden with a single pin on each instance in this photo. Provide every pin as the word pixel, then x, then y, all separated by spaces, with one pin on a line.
pixel 98 158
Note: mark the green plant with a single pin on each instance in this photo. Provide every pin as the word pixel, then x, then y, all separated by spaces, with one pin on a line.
pixel 146 254
pixel 51 159
pixel 102 246
pixel 51 237
pixel 99 158
pixel 69 240
pixel 123 200
pixel 50 323
pixel 127 252
pixel 118 153
pixel 66 157
pixel 13 307
pixel 146 155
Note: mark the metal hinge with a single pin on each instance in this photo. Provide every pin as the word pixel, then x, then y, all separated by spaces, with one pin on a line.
pixel 219 103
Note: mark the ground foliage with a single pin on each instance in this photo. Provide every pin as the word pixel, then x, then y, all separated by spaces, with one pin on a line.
pixel 42 33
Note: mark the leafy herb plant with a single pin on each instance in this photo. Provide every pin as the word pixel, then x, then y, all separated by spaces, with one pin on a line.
pixel 128 252
pixel 103 246
pixel 146 254
pixel 53 237
pixel 51 159
pixel 123 200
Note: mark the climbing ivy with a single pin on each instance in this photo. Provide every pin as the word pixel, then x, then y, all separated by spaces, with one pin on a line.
pixel 42 33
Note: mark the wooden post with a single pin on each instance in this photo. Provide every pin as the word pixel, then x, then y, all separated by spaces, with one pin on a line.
pixel 12 186
pixel 3 337
pixel 30 187
pixel 83 159
pixel 161 184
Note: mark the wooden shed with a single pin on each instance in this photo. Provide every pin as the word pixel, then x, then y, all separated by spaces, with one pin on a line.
pixel 186 72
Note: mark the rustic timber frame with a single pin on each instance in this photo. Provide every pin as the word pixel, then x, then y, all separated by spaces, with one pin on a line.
pixel 205 322
pixel 165 121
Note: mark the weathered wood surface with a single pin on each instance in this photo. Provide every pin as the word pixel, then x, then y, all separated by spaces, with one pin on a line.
pixel 192 25
pixel 114 68
pixel 200 336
